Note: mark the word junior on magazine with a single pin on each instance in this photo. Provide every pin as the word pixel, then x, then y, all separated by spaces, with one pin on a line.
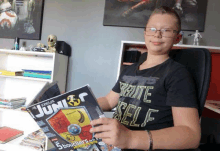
pixel 65 119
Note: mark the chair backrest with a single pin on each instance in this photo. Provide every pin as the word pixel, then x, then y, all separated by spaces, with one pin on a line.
pixel 198 63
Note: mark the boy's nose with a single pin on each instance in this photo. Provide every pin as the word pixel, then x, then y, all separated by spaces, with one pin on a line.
pixel 158 34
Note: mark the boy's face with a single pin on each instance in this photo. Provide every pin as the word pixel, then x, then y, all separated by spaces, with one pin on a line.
pixel 160 43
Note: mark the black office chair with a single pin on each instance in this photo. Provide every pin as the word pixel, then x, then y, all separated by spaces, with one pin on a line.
pixel 198 63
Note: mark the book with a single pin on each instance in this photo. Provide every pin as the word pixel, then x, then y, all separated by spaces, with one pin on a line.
pixel 35 140
pixel 7 134
pixel 5 106
pixel 65 119
pixel 37 74
pixel 10 106
pixel 12 103
pixel 213 105
pixel 11 73
pixel 38 71
pixel 18 102
pixel 2 99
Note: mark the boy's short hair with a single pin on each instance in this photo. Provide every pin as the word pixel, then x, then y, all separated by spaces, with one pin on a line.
pixel 170 11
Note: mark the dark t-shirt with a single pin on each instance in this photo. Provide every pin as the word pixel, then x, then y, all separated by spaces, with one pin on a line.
pixel 146 96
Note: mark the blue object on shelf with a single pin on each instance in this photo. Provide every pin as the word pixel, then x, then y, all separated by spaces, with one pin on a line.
pixel 38 71
pixel 37 75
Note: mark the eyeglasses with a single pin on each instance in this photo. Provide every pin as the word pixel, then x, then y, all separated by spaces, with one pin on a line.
pixel 165 32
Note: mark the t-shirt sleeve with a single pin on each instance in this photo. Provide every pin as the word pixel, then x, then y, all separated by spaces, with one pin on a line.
pixel 116 88
pixel 181 90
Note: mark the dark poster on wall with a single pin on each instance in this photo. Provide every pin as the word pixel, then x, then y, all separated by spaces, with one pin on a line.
pixel 21 18
pixel 135 13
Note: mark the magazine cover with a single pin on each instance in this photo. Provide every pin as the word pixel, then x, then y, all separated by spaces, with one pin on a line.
pixel 65 119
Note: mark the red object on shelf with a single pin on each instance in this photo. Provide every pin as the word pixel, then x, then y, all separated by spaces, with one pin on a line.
pixel 7 134
pixel 214 87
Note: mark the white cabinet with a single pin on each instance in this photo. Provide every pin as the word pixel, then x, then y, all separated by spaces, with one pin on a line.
pixel 19 86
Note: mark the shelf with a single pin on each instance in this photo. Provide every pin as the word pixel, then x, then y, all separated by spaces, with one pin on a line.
pixel 213 105
pixel 26 78
pixel 142 45
pixel 22 86
pixel 27 53
pixel 194 46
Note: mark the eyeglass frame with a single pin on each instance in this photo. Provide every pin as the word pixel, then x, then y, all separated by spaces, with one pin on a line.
pixel 174 31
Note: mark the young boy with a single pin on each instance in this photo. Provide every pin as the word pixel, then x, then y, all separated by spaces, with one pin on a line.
pixel 156 99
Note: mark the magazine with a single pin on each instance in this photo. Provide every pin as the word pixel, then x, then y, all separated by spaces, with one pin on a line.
pixel 65 119
pixel 49 90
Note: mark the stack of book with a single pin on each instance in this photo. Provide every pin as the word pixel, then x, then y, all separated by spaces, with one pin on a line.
pixel 11 73
pixel 37 74
pixel 12 103
pixel 35 140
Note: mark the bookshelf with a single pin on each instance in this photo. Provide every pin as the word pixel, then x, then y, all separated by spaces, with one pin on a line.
pixel 214 82
pixel 19 86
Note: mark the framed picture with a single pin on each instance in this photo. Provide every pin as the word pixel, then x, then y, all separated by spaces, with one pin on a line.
pixel 135 13
pixel 21 18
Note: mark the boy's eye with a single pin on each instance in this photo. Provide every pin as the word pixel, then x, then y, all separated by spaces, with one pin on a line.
pixel 165 30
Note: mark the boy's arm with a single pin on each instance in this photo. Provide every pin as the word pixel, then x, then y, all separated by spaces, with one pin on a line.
pixel 109 101
pixel 185 134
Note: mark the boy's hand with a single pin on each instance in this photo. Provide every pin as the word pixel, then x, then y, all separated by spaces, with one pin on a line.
pixel 112 132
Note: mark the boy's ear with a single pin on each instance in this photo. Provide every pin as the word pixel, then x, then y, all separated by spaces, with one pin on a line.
pixel 178 38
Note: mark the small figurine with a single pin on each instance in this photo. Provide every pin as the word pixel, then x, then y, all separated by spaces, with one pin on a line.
pixel 197 37
pixel 39 48
pixel 23 47
pixel 40 45
pixel 51 40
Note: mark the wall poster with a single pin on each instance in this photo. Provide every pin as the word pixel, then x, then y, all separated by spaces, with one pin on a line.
pixel 135 13
pixel 21 18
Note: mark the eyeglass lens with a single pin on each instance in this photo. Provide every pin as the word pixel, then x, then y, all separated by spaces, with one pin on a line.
pixel 164 32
